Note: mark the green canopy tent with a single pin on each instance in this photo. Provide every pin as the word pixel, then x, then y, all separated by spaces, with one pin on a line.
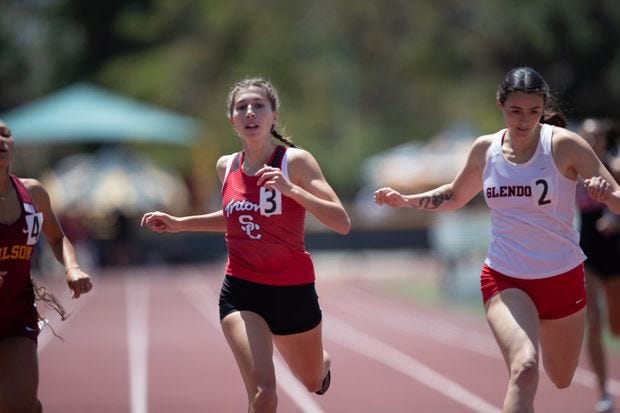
pixel 78 141
pixel 84 113
pixel 87 118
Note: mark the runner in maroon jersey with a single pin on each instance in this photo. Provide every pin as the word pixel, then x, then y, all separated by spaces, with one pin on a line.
pixel 25 213
pixel 600 240
pixel 268 295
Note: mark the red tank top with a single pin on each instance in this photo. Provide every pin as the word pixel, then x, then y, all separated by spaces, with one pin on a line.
pixel 17 243
pixel 264 229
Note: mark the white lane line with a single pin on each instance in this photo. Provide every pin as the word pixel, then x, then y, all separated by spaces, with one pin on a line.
pixel 137 294
pixel 348 336
pixel 446 332
pixel 202 296
pixel 424 325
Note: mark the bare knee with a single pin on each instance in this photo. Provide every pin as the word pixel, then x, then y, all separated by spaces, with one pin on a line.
pixel 563 383
pixel 524 373
pixel 313 381
pixel 264 400
pixel 563 380
pixel 312 384
pixel 561 372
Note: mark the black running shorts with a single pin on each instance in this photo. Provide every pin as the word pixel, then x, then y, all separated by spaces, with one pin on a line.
pixel 286 309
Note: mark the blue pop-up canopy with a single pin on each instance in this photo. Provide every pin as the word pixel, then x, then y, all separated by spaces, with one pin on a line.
pixel 86 113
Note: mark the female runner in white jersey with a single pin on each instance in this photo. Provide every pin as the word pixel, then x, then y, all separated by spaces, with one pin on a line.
pixel 268 295
pixel 532 280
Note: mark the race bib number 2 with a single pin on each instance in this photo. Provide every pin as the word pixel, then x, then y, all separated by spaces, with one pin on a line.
pixel 270 202
pixel 543 191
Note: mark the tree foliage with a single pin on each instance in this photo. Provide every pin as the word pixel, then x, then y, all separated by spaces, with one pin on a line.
pixel 355 77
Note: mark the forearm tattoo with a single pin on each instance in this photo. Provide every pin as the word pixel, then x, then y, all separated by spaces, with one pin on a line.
pixel 435 200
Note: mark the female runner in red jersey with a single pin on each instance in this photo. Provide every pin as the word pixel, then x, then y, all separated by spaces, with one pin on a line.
pixel 25 213
pixel 268 295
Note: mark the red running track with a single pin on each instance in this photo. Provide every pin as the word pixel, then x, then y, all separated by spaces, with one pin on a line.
pixel 148 340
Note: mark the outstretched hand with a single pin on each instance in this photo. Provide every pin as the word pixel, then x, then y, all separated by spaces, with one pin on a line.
pixel 598 188
pixel 390 197
pixel 158 222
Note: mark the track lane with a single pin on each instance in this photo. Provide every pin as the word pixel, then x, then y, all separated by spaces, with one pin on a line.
pixel 189 367
pixel 88 371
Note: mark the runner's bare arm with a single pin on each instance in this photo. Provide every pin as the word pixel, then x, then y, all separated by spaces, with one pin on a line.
pixel 454 195
pixel 62 248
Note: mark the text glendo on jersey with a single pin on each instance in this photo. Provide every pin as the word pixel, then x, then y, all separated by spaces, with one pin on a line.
pixel 508 191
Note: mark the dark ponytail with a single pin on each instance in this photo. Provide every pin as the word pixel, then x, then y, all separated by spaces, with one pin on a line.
pixel 283 139
pixel 554 118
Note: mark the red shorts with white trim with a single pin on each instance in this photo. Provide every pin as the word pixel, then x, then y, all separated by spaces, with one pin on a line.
pixel 554 297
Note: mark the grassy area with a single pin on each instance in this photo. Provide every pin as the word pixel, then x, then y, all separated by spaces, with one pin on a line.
pixel 613 343
pixel 425 290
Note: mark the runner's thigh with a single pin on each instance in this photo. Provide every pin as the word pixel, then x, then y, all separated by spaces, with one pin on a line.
pixel 561 341
pixel 19 374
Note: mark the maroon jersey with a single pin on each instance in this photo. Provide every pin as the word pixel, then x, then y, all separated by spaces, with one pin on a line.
pixel 264 229
pixel 17 243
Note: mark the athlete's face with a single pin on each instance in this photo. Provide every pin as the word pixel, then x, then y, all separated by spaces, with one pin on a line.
pixel 7 145
pixel 252 116
pixel 522 113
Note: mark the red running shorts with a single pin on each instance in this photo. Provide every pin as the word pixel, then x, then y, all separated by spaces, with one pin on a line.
pixel 554 297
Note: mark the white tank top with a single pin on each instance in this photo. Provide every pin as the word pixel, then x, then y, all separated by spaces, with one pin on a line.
pixel 532 213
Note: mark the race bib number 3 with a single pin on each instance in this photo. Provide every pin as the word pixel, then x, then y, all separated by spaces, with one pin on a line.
pixel 270 202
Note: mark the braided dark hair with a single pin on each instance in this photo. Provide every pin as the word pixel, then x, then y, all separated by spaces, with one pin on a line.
pixel 272 96
pixel 527 80
pixel 284 139
pixel 50 301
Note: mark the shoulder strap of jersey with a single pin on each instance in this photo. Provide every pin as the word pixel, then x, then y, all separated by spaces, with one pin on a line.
pixel 232 164
pixel 277 157
pixel 496 145
pixel 235 162
pixel 22 192
pixel 546 135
